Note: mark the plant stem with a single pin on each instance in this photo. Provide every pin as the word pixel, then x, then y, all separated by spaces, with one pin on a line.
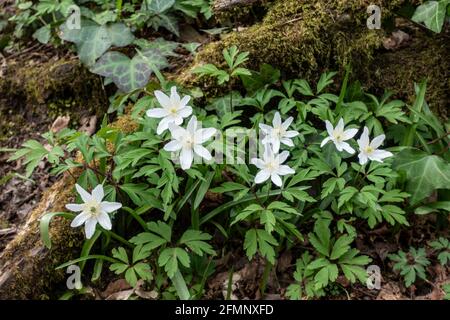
pixel 265 277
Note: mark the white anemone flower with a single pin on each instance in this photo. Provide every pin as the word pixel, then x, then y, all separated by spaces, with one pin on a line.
pixel 173 110
pixel 279 133
pixel 339 135
pixel 93 210
pixel 271 166
pixel 189 141
pixel 369 150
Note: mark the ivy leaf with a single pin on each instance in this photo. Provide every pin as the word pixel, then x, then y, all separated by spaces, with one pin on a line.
pixel 159 6
pixel 129 75
pixel 432 13
pixel 425 173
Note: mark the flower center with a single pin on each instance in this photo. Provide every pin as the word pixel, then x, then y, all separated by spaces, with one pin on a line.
pixel 278 132
pixel 173 110
pixel 369 150
pixel 189 142
pixel 272 166
pixel 338 137
pixel 93 208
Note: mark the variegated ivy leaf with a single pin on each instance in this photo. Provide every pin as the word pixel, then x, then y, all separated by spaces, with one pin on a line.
pixel 93 40
pixel 432 13
pixel 129 74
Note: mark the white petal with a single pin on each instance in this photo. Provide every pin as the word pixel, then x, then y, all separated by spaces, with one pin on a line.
pixel 173 145
pixel 98 193
pixel 80 219
pixel 283 156
pixel 202 152
pixel 350 133
pixel 192 125
pixel 377 141
pixel 104 221
pixel 262 176
pixel 185 101
pixel 275 144
pixel 348 148
pixel 363 141
pixel 339 145
pixel 276 120
pixel 85 196
pixel 287 141
pixel 285 125
pixel 203 135
pixel 157 113
pixel 330 128
pixel 325 141
pixel 265 128
pixel 110 206
pixel 176 131
pixel 163 125
pixel 340 126
pixel 89 227
pixel 276 179
pixel 258 163
pixel 291 134
pixel 284 170
pixel 75 207
pixel 362 158
pixel 268 152
pixel 185 112
pixel 379 155
pixel 163 99
pixel 186 157
pixel 174 96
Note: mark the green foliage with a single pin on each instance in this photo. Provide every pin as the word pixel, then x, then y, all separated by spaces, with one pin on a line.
pixel 411 264
pixel 432 14
pixel 442 246
pixel 134 269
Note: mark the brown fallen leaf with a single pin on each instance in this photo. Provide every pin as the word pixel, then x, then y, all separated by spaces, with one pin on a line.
pixel 88 125
pixel 60 123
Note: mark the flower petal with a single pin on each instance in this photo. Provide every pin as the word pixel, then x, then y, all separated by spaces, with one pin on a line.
pixel 285 125
pixel 85 196
pixel 348 148
pixel 284 170
pixel 192 125
pixel 175 97
pixel 202 152
pixel 110 206
pixel 185 101
pixel 340 126
pixel 379 155
pixel 173 145
pixel 75 207
pixel 262 176
pixel 291 134
pixel 350 133
pixel 339 145
pixel 282 157
pixel 185 112
pixel 163 99
pixel 362 158
pixel 287 141
pixel 276 120
pixel 163 125
pixel 104 220
pixel 275 144
pixel 276 179
pixel 330 128
pixel 325 141
pixel 377 141
pixel 98 193
pixel 258 163
pixel 363 141
pixel 80 219
pixel 203 135
pixel 186 157
pixel 89 227
pixel 157 113
pixel 265 128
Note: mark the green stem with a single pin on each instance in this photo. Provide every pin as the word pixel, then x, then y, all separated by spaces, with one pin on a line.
pixel 180 286
pixel 119 238
pixel 136 217
pixel 265 277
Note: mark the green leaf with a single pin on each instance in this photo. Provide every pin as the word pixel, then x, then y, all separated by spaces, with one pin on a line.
pixel 432 13
pixel 159 6
pixel 44 225
pixel 203 189
pixel 341 246
pixel 42 34
pixel 169 259
pixel 129 75
pixel 433 207
pixel 425 173
pixel 195 240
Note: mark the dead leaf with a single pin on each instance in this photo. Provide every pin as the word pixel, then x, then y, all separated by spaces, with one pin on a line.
pixel 60 123
pixel 88 125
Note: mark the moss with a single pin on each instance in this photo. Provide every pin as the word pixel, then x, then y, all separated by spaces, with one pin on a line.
pixel 302 38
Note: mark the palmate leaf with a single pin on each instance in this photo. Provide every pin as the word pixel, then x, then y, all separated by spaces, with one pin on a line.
pixel 129 74
pixel 425 173
pixel 93 40
pixel 432 13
